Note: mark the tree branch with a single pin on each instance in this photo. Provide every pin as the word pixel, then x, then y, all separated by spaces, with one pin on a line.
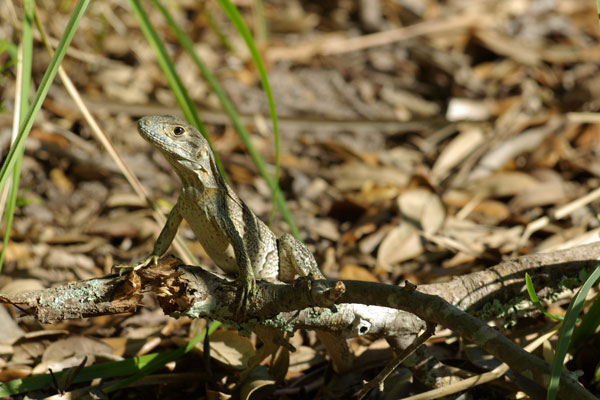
pixel 195 292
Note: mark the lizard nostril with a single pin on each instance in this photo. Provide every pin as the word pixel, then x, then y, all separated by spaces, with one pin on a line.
pixel 147 122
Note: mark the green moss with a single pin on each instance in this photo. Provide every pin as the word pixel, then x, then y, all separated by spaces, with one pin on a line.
pixel 509 311
pixel 570 282
pixel 89 292
pixel 517 306
pixel 199 309
pixel 279 323
pixel 490 310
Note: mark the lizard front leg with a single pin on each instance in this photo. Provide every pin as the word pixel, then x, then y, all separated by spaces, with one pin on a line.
pixel 165 238
pixel 246 282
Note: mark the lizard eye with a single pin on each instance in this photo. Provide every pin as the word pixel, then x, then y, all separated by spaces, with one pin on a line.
pixel 178 131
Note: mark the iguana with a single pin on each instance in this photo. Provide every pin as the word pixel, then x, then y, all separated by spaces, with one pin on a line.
pixel 230 233
pixel 235 239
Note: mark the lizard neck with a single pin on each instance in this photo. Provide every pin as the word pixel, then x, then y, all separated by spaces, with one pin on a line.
pixel 199 180
pixel 192 176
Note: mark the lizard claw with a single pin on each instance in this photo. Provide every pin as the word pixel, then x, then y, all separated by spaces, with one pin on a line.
pixel 123 269
pixel 246 290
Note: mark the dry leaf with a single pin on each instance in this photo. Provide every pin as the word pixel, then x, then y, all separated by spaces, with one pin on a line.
pixel 259 378
pixel 61 180
pixel 231 349
pixel 469 109
pixel 304 358
pixel 354 175
pixel 400 244
pixel 456 151
pixel 22 285
pixel 70 352
pixel 504 184
pixel 424 208
pixel 356 273
pixel 507 151
pixel 542 194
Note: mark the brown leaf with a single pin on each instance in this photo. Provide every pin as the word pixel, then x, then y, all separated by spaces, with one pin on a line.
pixel 460 147
pixel 400 244
pixel 505 184
pixel 424 208
pixel 356 273
pixel 231 349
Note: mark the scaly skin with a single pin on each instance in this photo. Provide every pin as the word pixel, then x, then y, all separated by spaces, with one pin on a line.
pixel 230 233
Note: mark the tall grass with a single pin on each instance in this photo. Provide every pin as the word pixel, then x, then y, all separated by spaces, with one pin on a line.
pixel 25 116
pixel 11 165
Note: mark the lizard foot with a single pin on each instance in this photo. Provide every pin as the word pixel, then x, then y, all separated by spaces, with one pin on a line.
pixel 123 269
pixel 246 290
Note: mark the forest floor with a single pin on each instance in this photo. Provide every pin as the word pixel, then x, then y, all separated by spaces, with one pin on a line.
pixel 420 141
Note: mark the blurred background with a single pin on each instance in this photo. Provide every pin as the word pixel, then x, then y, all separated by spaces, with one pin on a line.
pixel 420 140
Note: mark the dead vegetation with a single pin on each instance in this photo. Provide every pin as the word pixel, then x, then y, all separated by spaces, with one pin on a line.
pixel 420 141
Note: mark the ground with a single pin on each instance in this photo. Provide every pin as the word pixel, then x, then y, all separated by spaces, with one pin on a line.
pixel 419 141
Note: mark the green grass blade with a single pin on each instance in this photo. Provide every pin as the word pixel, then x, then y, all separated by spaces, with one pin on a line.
pixel 9 209
pixel 566 331
pixel 212 81
pixel 164 61
pixel 164 358
pixel 215 27
pixel 588 325
pixel 24 81
pixel 11 49
pixel 237 21
pixel 105 370
pixel 536 301
pixel 261 29
pixel 42 91
pixel 27 44
pixel 244 32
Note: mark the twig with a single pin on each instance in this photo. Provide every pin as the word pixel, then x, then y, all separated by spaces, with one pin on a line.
pixel 473 381
pixel 392 365
pixel 559 213
pixel 335 44
pixel 434 309
pixel 394 35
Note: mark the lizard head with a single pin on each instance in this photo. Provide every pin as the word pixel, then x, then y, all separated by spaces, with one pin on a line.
pixel 183 146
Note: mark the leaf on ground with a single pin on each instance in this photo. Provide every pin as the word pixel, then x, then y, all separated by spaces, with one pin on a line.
pixel 231 349
pixel 400 244
pixel 469 138
pixel 424 208
pixel 356 273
